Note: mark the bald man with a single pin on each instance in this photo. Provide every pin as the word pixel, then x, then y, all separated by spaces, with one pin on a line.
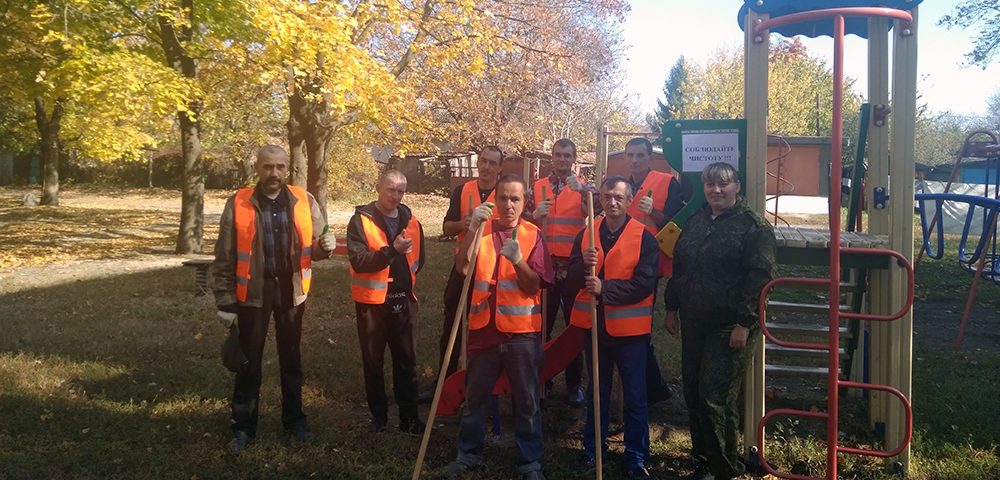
pixel 268 237
pixel 386 247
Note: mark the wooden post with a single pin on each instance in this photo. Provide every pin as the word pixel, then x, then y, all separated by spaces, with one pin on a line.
pixel 459 313
pixel 463 359
pixel 596 387
pixel 878 218
pixel 904 114
pixel 601 161
pixel 755 87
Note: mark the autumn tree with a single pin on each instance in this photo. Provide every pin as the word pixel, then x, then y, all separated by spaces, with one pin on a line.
pixel 580 112
pixel 404 74
pixel 70 64
pixel 984 16
pixel 16 131
pixel 937 138
pixel 560 81
pixel 179 34
pixel 240 113
pixel 799 91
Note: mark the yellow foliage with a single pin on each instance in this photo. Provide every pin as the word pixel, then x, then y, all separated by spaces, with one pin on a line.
pixel 116 98
pixel 715 90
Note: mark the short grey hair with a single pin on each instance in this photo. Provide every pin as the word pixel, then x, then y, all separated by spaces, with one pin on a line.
pixel 271 150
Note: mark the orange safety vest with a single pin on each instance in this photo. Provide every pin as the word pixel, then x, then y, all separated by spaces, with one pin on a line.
pixel 371 288
pixel 471 191
pixel 620 320
pixel 245 217
pixel 565 218
pixel 659 183
pixel 516 311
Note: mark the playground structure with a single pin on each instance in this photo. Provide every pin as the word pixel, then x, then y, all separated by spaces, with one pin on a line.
pixel 889 320
pixel 981 215
pixel 891 287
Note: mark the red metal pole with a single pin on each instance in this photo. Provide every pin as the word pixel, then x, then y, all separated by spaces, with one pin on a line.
pixel 833 355
pixel 975 281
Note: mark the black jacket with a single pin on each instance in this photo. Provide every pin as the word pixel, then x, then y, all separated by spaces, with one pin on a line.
pixel 365 260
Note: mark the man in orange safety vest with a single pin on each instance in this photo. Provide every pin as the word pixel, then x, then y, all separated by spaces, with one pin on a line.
pixel 268 237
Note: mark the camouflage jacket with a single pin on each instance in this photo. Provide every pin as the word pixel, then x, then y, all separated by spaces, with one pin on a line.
pixel 721 266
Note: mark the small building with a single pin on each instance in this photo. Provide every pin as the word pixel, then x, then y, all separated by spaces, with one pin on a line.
pixel 983 171
pixel 804 166
pixel 435 172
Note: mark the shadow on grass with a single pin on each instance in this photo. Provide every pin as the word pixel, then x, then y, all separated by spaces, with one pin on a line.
pixel 119 377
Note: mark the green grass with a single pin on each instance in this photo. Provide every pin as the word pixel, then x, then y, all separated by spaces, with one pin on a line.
pixel 119 377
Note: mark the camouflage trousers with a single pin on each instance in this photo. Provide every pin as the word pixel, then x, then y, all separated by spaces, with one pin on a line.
pixel 712 377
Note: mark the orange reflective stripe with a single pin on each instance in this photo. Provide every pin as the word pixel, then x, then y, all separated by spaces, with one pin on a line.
pixel 565 218
pixel 516 311
pixel 302 213
pixel 245 219
pixel 619 264
pixel 471 190
pixel 659 183
pixel 371 287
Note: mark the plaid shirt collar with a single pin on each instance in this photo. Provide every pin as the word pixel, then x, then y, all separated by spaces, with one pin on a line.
pixel 274 233
pixel 556 183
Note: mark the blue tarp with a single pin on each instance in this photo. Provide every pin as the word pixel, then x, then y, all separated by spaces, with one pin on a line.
pixel 857 26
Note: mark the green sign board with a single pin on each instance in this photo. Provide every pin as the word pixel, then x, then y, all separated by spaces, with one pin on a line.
pixel 691 145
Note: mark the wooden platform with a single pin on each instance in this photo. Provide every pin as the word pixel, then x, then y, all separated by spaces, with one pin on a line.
pixel 811 246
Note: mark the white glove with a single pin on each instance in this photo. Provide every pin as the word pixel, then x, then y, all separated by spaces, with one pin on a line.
pixel 542 210
pixel 327 242
pixel 574 183
pixel 226 319
pixel 646 204
pixel 512 251
pixel 480 214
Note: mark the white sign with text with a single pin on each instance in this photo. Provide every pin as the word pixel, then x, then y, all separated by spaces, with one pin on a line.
pixel 703 148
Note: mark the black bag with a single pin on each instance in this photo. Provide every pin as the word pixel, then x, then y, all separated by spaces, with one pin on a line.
pixel 232 353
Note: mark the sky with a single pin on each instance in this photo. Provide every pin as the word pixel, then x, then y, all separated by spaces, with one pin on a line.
pixel 658 32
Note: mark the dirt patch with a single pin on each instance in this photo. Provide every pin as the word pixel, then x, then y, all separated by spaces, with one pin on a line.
pixel 936 326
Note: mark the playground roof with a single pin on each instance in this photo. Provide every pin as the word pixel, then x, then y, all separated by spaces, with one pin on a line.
pixel 855 25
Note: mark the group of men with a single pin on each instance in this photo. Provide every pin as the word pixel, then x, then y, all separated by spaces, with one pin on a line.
pixel 531 240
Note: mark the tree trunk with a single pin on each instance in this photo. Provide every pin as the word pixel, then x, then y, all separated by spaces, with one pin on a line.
pixel 310 128
pixel 192 221
pixel 297 156
pixel 192 228
pixel 48 129
pixel 316 184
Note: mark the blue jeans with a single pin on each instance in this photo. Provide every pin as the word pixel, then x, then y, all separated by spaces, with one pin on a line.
pixel 521 357
pixel 630 358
